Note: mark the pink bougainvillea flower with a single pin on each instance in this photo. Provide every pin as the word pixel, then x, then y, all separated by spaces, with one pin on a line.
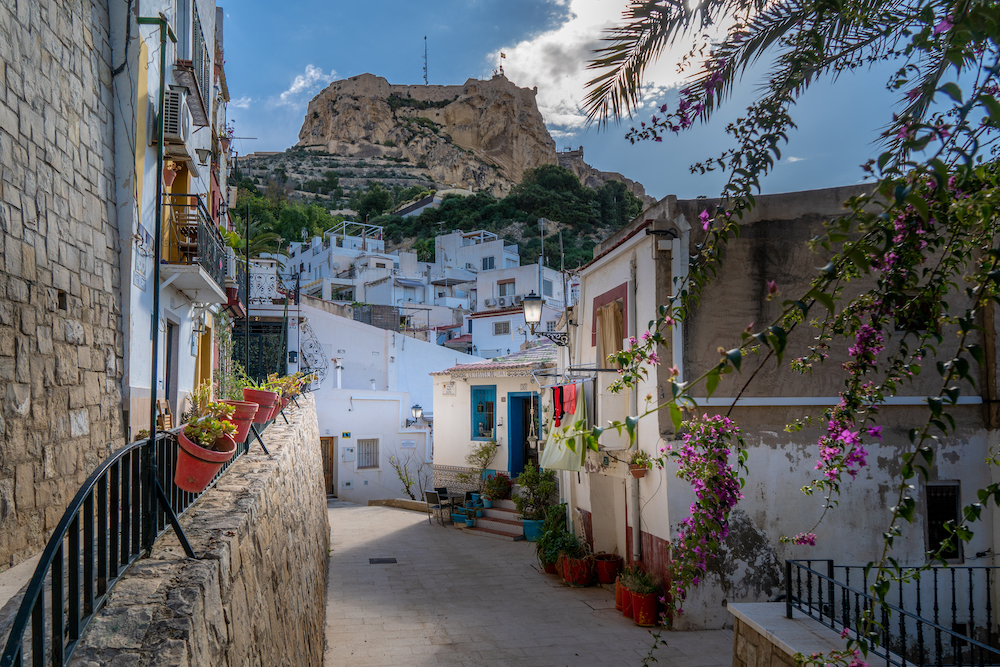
pixel 706 220
pixel 944 26
pixel 772 288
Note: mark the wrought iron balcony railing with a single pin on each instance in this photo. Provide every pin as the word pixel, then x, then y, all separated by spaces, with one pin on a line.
pixel 190 236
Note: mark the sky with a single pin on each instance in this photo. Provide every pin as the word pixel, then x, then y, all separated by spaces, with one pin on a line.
pixel 276 61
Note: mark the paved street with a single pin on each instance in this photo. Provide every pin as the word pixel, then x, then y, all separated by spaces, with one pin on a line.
pixel 455 599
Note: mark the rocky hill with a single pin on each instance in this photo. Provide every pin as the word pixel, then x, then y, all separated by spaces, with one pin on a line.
pixel 482 135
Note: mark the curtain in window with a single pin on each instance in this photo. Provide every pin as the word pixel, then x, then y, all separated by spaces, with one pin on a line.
pixel 610 328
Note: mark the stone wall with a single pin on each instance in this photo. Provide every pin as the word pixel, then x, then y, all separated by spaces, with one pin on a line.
pixel 450 477
pixel 257 595
pixel 764 637
pixel 61 351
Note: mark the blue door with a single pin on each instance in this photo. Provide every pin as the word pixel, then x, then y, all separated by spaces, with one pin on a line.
pixel 519 411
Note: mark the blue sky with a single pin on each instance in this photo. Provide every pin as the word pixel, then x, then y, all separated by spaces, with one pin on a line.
pixel 276 61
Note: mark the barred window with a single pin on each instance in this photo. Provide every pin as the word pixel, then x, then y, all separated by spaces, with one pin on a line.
pixel 368 453
pixel 501 328
pixel 550 325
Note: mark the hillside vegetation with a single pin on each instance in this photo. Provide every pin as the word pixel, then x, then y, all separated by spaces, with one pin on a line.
pixel 583 215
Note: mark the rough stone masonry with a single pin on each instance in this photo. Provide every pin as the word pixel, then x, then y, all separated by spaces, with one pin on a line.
pixel 257 596
pixel 61 350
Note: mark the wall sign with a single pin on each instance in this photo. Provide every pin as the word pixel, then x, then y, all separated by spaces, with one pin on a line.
pixel 408 443
pixel 448 389
pixel 345 434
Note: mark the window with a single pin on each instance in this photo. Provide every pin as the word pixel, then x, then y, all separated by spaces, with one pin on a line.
pixel 368 453
pixel 379 265
pixel 943 505
pixel 483 402
pixel 546 288
pixel 501 328
pixel 470 325
pixel 487 263
pixel 550 325
pixel 506 288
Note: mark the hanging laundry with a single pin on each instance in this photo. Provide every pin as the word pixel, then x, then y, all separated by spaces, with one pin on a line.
pixel 569 399
pixel 557 405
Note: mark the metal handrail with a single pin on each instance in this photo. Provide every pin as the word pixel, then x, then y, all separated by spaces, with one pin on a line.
pixel 210 251
pixel 127 505
pixel 897 647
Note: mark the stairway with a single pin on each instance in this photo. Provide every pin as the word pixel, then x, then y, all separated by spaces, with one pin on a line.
pixel 499 522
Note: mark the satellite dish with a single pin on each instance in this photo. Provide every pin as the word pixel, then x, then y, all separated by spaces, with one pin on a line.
pixel 336 265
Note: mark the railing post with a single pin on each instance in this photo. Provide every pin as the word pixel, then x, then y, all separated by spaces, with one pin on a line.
pixel 833 600
pixel 788 589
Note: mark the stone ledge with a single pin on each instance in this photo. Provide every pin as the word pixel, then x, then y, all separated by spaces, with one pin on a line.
pixel 790 635
pixel 401 503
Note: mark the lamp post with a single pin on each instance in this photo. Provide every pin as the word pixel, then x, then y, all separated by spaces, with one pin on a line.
pixel 532 305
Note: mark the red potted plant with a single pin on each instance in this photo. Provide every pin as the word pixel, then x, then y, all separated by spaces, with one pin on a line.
pixel 579 564
pixel 204 445
pixel 243 414
pixel 621 588
pixel 608 566
pixel 257 392
pixel 645 598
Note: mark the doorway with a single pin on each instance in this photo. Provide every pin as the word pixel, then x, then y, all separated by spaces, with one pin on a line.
pixel 329 448
pixel 521 406
pixel 171 370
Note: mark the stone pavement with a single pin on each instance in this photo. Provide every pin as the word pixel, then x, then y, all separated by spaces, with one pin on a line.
pixel 463 600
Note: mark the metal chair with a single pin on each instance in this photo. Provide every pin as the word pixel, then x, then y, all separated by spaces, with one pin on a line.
pixel 442 492
pixel 434 505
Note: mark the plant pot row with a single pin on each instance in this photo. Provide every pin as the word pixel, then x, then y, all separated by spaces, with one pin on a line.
pixel 602 568
pixel 197 466
pixel 642 608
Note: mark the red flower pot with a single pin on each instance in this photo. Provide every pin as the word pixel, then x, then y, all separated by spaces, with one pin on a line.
pixel 644 609
pixel 626 602
pixel 637 471
pixel 579 571
pixel 618 594
pixel 266 401
pixel 550 568
pixel 242 417
pixel 561 565
pixel 197 466
pixel 608 566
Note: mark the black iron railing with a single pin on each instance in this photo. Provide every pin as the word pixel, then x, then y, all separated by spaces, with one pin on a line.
pixel 191 237
pixel 114 519
pixel 934 616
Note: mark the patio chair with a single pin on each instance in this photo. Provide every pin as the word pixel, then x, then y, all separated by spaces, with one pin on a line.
pixel 434 505
pixel 442 492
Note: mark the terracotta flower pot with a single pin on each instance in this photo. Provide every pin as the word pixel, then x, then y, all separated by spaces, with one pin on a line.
pixel 579 571
pixel 550 568
pixel 168 176
pixel 561 565
pixel 626 602
pixel 242 417
pixel 637 471
pixel 197 466
pixel 608 566
pixel 266 401
pixel 618 594
pixel 644 609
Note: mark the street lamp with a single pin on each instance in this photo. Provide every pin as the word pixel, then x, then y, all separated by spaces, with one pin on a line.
pixel 533 317
pixel 417 413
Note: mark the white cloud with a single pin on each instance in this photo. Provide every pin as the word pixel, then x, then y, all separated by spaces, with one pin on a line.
pixel 794 159
pixel 241 103
pixel 305 84
pixel 555 62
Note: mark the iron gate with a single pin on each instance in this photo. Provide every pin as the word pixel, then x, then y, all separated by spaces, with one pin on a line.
pixel 268 348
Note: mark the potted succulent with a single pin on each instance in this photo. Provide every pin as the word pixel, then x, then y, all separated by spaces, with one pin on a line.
pixel 608 566
pixel 259 393
pixel 204 445
pixel 497 487
pixel 645 596
pixel 534 498
pixel 639 463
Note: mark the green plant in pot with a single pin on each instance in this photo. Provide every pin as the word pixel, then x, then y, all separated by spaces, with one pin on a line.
pixel 639 463
pixel 623 590
pixel 479 459
pixel 554 539
pixel 496 487
pixel 645 591
pixel 534 498
pixel 204 445
pixel 579 565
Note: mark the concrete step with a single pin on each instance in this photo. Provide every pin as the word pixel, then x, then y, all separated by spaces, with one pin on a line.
pixel 503 525
pixel 495 534
pixel 505 504
pixel 502 513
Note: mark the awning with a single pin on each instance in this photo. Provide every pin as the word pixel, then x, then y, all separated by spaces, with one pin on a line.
pixel 408 282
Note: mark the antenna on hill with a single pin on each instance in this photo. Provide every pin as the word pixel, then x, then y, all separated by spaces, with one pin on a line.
pixel 425 60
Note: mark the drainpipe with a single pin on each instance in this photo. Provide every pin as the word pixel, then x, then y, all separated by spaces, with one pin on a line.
pixel 149 462
pixel 633 410
pixel 679 262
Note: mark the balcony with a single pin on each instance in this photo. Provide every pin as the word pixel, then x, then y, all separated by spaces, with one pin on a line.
pixel 236 284
pixel 194 254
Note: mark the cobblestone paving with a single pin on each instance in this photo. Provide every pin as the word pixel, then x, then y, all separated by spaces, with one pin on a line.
pixel 455 599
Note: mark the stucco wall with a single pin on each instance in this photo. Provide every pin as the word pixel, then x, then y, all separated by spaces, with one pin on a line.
pixel 257 595
pixel 61 353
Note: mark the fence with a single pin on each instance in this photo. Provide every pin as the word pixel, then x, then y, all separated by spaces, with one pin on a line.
pixel 933 616
pixel 112 521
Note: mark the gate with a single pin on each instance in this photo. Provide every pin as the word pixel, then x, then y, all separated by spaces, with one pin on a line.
pixel 268 347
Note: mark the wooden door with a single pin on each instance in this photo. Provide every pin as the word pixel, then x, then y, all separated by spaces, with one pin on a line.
pixel 329 449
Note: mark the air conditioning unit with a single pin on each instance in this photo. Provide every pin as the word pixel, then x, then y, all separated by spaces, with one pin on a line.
pixel 517 300
pixel 469 266
pixel 504 301
pixel 491 302
pixel 176 117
